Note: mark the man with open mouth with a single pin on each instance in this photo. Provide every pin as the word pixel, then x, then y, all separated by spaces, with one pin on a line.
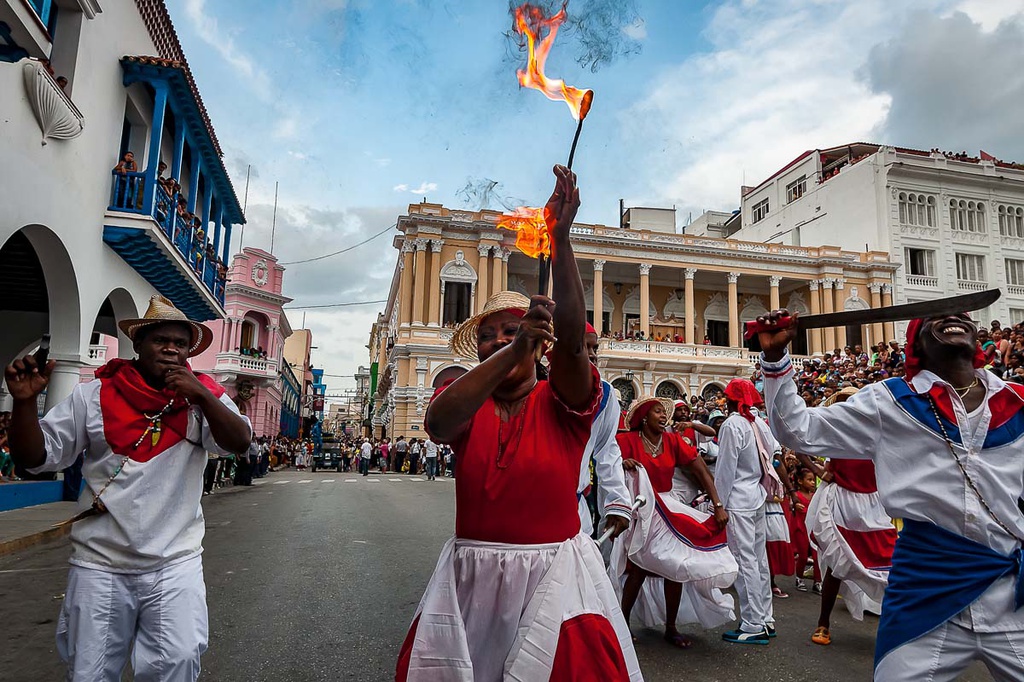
pixel 947 443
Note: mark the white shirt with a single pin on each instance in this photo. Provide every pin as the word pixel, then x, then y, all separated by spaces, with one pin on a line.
pixel 154 517
pixel 366 451
pixel 613 495
pixel 918 478
pixel 738 471
pixel 431 448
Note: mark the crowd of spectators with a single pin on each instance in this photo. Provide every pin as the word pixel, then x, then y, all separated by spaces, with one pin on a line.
pixel 6 463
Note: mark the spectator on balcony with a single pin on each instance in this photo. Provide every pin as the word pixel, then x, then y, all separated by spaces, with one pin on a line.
pixel 62 82
pixel 127 192
pixel 165 182
pixel 126 165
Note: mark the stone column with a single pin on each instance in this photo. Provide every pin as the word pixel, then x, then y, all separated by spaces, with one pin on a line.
pixel 422 282
pixel 889 328
pixel 877 332
pixel 434 305
pixel 599 296
pixel 691 322
pixel 645 299
pixel 815 309
pixel 773 292
pixel 840 291
pixel 828 307
pixel 405 303
pixel 734 310
pixel 505 255
pixel 481 275
pixel 496 284
pixel 66 375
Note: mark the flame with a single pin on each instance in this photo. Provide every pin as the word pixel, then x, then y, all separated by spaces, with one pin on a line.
pixel 530 20
pixel 531 230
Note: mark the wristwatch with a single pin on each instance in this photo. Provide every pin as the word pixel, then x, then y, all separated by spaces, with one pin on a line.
pixel 718 504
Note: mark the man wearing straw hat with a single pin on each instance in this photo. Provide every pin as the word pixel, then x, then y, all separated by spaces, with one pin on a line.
pixel 145 426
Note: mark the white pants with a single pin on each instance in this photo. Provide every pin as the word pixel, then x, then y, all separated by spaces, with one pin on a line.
pixel 747 535
pixel 164 612
pixel 946 651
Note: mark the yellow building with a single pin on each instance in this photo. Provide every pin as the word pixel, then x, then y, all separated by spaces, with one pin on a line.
pixel 696 290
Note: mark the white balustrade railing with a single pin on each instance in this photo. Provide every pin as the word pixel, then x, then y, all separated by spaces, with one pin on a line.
pixel 968 285
pixel 923 281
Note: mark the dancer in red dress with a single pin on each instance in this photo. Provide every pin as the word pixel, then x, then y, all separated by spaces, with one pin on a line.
pixel 520 593
pixel 670 539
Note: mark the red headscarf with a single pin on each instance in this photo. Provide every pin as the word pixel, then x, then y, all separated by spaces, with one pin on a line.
pixel 744 393
pixel 590 329
pixel 912 363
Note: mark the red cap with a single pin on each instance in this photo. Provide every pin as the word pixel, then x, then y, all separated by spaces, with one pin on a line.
pixel 590 329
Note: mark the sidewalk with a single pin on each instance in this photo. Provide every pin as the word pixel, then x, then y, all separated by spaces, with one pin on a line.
pixel 28 526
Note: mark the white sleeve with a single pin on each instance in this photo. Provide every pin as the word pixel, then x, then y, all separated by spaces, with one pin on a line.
pixel 209 443
pixel 65 435
pixel 849 429
pixel 731 440
pixel 611 481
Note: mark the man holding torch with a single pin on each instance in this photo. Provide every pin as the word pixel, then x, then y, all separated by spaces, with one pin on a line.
pixel 136 579
pixel 520 593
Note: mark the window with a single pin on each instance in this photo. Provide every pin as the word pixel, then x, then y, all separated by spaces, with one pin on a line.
pixel 1014 271
pixel 456 302
pixel 1011 221
pixel 46 10
pixel 796 189
pixel 970 267
pixel 1016 315
pixel 759 211
pixel 967 216
pixel 917 209
pixel 919 262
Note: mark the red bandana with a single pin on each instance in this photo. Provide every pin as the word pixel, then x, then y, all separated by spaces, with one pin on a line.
pixel 912 363
pixel 743 392
pixel 126 399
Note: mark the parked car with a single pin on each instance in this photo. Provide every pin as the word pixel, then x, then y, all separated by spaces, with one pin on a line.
pixel 329 457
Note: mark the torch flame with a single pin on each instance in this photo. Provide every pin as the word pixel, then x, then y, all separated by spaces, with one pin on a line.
pixel 530 20
pixel 531 230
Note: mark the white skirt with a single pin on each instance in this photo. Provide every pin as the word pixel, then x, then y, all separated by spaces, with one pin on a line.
pixel 661 542
pixel 859 515
pixel 776 525
pixel 494 611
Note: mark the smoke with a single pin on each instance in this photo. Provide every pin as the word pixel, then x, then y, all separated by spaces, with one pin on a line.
pixel 602 30
pixel 481 193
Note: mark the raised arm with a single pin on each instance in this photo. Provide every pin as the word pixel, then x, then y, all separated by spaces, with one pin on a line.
pixel 571 376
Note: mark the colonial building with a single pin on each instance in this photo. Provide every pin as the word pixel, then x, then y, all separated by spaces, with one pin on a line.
pixel 955 222
pixel 685 295
pixel 248 349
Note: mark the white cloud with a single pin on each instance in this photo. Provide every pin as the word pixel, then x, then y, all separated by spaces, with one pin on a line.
pixel 208 29
pixel 401 188
pixel 424 188
pixel 990 13
pixel 637 30
pixel 298 155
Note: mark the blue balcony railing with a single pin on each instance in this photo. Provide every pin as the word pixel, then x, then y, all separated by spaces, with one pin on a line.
pixel 179 227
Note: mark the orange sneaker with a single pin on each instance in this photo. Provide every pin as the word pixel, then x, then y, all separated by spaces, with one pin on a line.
pixel 822 636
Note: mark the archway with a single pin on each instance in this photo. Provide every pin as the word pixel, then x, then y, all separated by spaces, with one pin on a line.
pixel 752 309
pixel 716 317
pixel 631 311
pixel 710 390
pixel 627 391
pixel 668 389
pixel 458 290
pixel 854 333
pixel 107 340
pixel 796 303
pixel 607 307
pixel 448 374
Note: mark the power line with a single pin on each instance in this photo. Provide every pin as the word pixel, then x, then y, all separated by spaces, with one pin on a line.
pixel 334 305
pixel 336 253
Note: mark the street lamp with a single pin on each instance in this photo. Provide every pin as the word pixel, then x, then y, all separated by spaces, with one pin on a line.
pixel 629 375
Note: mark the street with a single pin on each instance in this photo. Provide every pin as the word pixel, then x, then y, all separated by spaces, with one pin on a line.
pixel 316 577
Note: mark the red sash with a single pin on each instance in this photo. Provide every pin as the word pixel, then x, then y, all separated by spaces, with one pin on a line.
pixel 126 399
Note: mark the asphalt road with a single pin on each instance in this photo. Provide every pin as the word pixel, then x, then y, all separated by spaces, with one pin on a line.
pixel 316 577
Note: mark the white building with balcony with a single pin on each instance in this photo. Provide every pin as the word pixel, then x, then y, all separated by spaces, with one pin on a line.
pixel 82 84
pixel 954 222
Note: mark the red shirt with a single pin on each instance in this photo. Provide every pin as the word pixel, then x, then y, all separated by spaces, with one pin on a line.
pixel 674 452
pixel 856 475
pixel 529 496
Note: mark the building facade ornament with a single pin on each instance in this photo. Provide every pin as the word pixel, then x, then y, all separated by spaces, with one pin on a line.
pixel 875 287
pixel 436 245
pixel 827 283
pixel 774 280
pixel 839 284
pixel 733 277
pixel 484 250
pixel 689 273
pixel 599 265
pixel 408 246
pixel 645 268
pixel 813 285
pixel 420 243
pixel 505 255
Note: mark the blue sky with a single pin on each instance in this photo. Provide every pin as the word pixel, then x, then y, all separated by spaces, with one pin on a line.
pixel 358 108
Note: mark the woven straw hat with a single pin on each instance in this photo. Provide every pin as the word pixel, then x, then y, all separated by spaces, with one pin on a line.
pixel 162 310
pixel 667 403
pixel 464 339
pixel 840 396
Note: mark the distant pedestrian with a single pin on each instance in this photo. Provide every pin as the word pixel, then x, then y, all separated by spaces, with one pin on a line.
pixel 365 454
pixel 430 448
pixel 401 451
pixel 414 456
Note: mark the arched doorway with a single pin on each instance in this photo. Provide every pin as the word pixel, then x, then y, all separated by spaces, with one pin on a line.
pixel 668 389
pixel 448 374
pixel 716 317
pixel 627 392
pixel 711 390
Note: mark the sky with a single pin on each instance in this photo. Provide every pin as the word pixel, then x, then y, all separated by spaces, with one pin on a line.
pixel 357 108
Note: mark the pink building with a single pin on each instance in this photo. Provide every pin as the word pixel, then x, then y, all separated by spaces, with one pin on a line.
pixel 248 345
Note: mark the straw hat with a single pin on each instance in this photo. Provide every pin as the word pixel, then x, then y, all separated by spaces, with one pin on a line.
pixel 639 403
pixel 835 397
pixel 464 339
pixel 162 310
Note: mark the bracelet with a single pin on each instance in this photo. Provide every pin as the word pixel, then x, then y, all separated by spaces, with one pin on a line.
pixel 718 505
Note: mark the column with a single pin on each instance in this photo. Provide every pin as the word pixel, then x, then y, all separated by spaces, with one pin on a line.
pixel 193 181
pixel 599 296
pixel 773 292
pixel 815 310
pixel 155 136
pixel 889 328
pixel 179 148
pixel 505 255
pixel 734 310
pixel 66 375
pixel 218 221
pixel 645 299
pixel 405 303
pixel 207 206
pixel 691 326
pixel 829 336
pixel 481 276
pixel 435 281
pixel 840 291
pixel 226 252
pixel 877 332
pixel 422 282
pixel 496 284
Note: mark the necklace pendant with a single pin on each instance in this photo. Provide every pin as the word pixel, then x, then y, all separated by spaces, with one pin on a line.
pixel 155 437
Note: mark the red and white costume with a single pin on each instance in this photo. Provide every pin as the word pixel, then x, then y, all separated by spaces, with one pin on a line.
pixel 853 534
pixel 612 496
pixel 673 541
pixel 519 593
pixel 136 570
pixel 778 542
